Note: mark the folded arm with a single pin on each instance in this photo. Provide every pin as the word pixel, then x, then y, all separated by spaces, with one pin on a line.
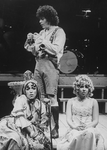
pixel 55 46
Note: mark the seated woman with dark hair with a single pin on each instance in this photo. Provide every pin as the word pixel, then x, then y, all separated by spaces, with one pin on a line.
pixel 23 128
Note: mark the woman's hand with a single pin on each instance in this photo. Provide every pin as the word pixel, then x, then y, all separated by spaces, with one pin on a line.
pixel 89 126
pixel 80 127
pixel 33 134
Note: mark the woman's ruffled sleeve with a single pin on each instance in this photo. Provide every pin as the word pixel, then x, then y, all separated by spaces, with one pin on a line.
pixel 19 112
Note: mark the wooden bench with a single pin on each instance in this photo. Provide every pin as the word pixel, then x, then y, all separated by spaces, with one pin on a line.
pixel 65 81
pixel 64 99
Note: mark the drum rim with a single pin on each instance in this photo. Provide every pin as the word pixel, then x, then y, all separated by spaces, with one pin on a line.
pixel 74 66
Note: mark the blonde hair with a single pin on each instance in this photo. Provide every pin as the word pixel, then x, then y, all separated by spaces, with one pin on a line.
pixel 80 80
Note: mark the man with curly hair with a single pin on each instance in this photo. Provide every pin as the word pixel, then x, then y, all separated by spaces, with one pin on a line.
pixel 47 47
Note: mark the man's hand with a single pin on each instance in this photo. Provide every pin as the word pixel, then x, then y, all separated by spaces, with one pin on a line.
pixel 29 36
pixel 46 100
pixel 36 36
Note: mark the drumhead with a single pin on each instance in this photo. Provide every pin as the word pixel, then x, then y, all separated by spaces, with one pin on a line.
pixel 68 62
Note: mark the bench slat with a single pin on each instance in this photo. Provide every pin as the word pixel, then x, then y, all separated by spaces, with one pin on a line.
pixel 66 99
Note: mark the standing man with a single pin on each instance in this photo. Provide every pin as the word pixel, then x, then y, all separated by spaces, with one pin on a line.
pixel 48 47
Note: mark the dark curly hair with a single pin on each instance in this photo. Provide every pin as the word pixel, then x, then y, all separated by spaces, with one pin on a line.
pixel 49 13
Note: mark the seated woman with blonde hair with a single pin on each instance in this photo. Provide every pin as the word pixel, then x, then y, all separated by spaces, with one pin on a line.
pixel 82 116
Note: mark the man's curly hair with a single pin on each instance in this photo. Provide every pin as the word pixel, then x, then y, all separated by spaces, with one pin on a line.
pixel 49 13
pixel 81 80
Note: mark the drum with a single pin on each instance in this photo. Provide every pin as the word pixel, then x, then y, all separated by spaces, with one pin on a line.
pixel 71 61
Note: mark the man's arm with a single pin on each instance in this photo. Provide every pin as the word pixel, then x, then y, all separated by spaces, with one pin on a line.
pixel 30 43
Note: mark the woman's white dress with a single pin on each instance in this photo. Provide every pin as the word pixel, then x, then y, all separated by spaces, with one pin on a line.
pixel 87 139
pixel 13 135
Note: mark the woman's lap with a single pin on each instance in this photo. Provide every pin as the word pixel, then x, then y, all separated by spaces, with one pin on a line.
pixel 80 140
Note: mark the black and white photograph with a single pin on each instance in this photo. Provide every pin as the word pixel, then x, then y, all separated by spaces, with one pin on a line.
pixel 53 75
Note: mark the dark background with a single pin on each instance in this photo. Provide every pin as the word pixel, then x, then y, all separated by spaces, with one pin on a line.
pixel 86 32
